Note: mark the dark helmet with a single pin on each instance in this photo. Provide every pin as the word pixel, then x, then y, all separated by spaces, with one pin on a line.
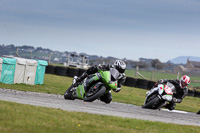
pixel 120 66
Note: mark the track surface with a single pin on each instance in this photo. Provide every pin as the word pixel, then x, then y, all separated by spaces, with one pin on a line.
pixel 98 107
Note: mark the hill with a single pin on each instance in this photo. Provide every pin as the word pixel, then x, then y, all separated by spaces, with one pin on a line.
pixel 183 59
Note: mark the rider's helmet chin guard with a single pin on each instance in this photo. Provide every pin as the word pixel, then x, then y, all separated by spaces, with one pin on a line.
pixel 120 66
pixel 184 81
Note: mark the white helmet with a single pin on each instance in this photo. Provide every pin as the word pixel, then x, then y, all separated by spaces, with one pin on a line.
pixel 120 66
pixel 184 81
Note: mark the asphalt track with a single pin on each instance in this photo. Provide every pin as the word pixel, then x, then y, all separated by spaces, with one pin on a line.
pixel 98 107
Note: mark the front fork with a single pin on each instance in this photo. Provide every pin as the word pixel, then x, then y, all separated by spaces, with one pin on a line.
pixel 150 92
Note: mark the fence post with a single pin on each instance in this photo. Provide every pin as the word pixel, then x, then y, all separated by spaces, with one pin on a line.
pixel 178 75
pixel 136 71
pixel 50 57
pixel 152 73
pixel 17 52
pixel 83 61
pixel 68 59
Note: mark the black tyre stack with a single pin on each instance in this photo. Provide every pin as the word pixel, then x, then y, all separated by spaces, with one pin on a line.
pixel 81 71
pixel 151 84
pixel 190 93
pixel 196 93
pixel 71 72
pixel 131 82
pixel 62 71
pixel 50 69
pixel 142 83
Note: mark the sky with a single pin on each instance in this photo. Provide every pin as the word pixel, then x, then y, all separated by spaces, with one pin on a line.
pixel 156 29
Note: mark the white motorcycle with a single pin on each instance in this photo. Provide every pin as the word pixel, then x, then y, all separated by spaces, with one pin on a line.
pixel 159 96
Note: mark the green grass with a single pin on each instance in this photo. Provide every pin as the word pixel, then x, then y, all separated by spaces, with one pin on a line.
pixel 54 84
pixel 159 75
pixel 21 118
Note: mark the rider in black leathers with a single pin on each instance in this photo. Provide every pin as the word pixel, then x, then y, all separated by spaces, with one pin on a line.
pixel 119 65
pixel 181 90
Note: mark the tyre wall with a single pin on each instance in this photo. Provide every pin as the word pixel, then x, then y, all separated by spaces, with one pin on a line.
pixel 131 82
pixel 50 69
pixel 81 71
pixel 196 93
pixel 61 70
pixel 151 84
pixel 190 93
pixel 142 83
pixel 71 72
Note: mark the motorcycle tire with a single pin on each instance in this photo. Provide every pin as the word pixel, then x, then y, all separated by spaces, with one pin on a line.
pixel 95 96
pixel 150 103
pixel 68 94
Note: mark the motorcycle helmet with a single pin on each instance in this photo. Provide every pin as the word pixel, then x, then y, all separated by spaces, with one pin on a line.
pixel 184 81
pixel 120 66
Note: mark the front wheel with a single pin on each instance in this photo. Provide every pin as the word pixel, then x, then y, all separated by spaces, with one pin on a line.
pixel 68 93
pixel 90 96
pixel 150 104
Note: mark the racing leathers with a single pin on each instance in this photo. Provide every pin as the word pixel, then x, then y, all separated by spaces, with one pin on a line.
pixel 179 94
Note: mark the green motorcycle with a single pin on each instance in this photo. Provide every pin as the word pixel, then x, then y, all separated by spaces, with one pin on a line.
pixel 94 86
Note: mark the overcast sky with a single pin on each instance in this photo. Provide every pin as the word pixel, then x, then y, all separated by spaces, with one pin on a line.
pixel 163 29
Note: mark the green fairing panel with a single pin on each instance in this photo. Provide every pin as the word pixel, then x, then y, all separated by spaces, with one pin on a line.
pixel 105 76
pixel 113 85
pixel 80 91
pixel 107 79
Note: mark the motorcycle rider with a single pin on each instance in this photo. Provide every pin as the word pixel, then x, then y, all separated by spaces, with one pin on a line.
pixel 118 64
pixel 181 90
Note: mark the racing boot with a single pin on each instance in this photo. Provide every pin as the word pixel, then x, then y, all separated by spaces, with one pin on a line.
pixel 171 106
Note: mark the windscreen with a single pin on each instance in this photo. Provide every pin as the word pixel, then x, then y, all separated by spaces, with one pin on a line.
pixel 114 74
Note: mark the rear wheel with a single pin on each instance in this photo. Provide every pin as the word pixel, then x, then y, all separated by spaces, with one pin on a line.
pixel 92 94
pixel 150 104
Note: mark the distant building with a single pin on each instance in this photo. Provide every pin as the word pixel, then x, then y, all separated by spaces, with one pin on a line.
pixel 191 68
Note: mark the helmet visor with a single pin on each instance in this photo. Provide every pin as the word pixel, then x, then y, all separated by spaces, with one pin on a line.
pixel 183 84
pixel 121 70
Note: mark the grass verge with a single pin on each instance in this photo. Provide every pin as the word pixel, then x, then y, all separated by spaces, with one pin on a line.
pixel 21 118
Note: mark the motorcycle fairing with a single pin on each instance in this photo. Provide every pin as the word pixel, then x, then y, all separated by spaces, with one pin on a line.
pixel 106 78
pixel 167 97
pixel 80 91
pixel 168 90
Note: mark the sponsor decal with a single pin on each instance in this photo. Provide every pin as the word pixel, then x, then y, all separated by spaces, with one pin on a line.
pixel 168 90
pixel 81 93
pixel 7 72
